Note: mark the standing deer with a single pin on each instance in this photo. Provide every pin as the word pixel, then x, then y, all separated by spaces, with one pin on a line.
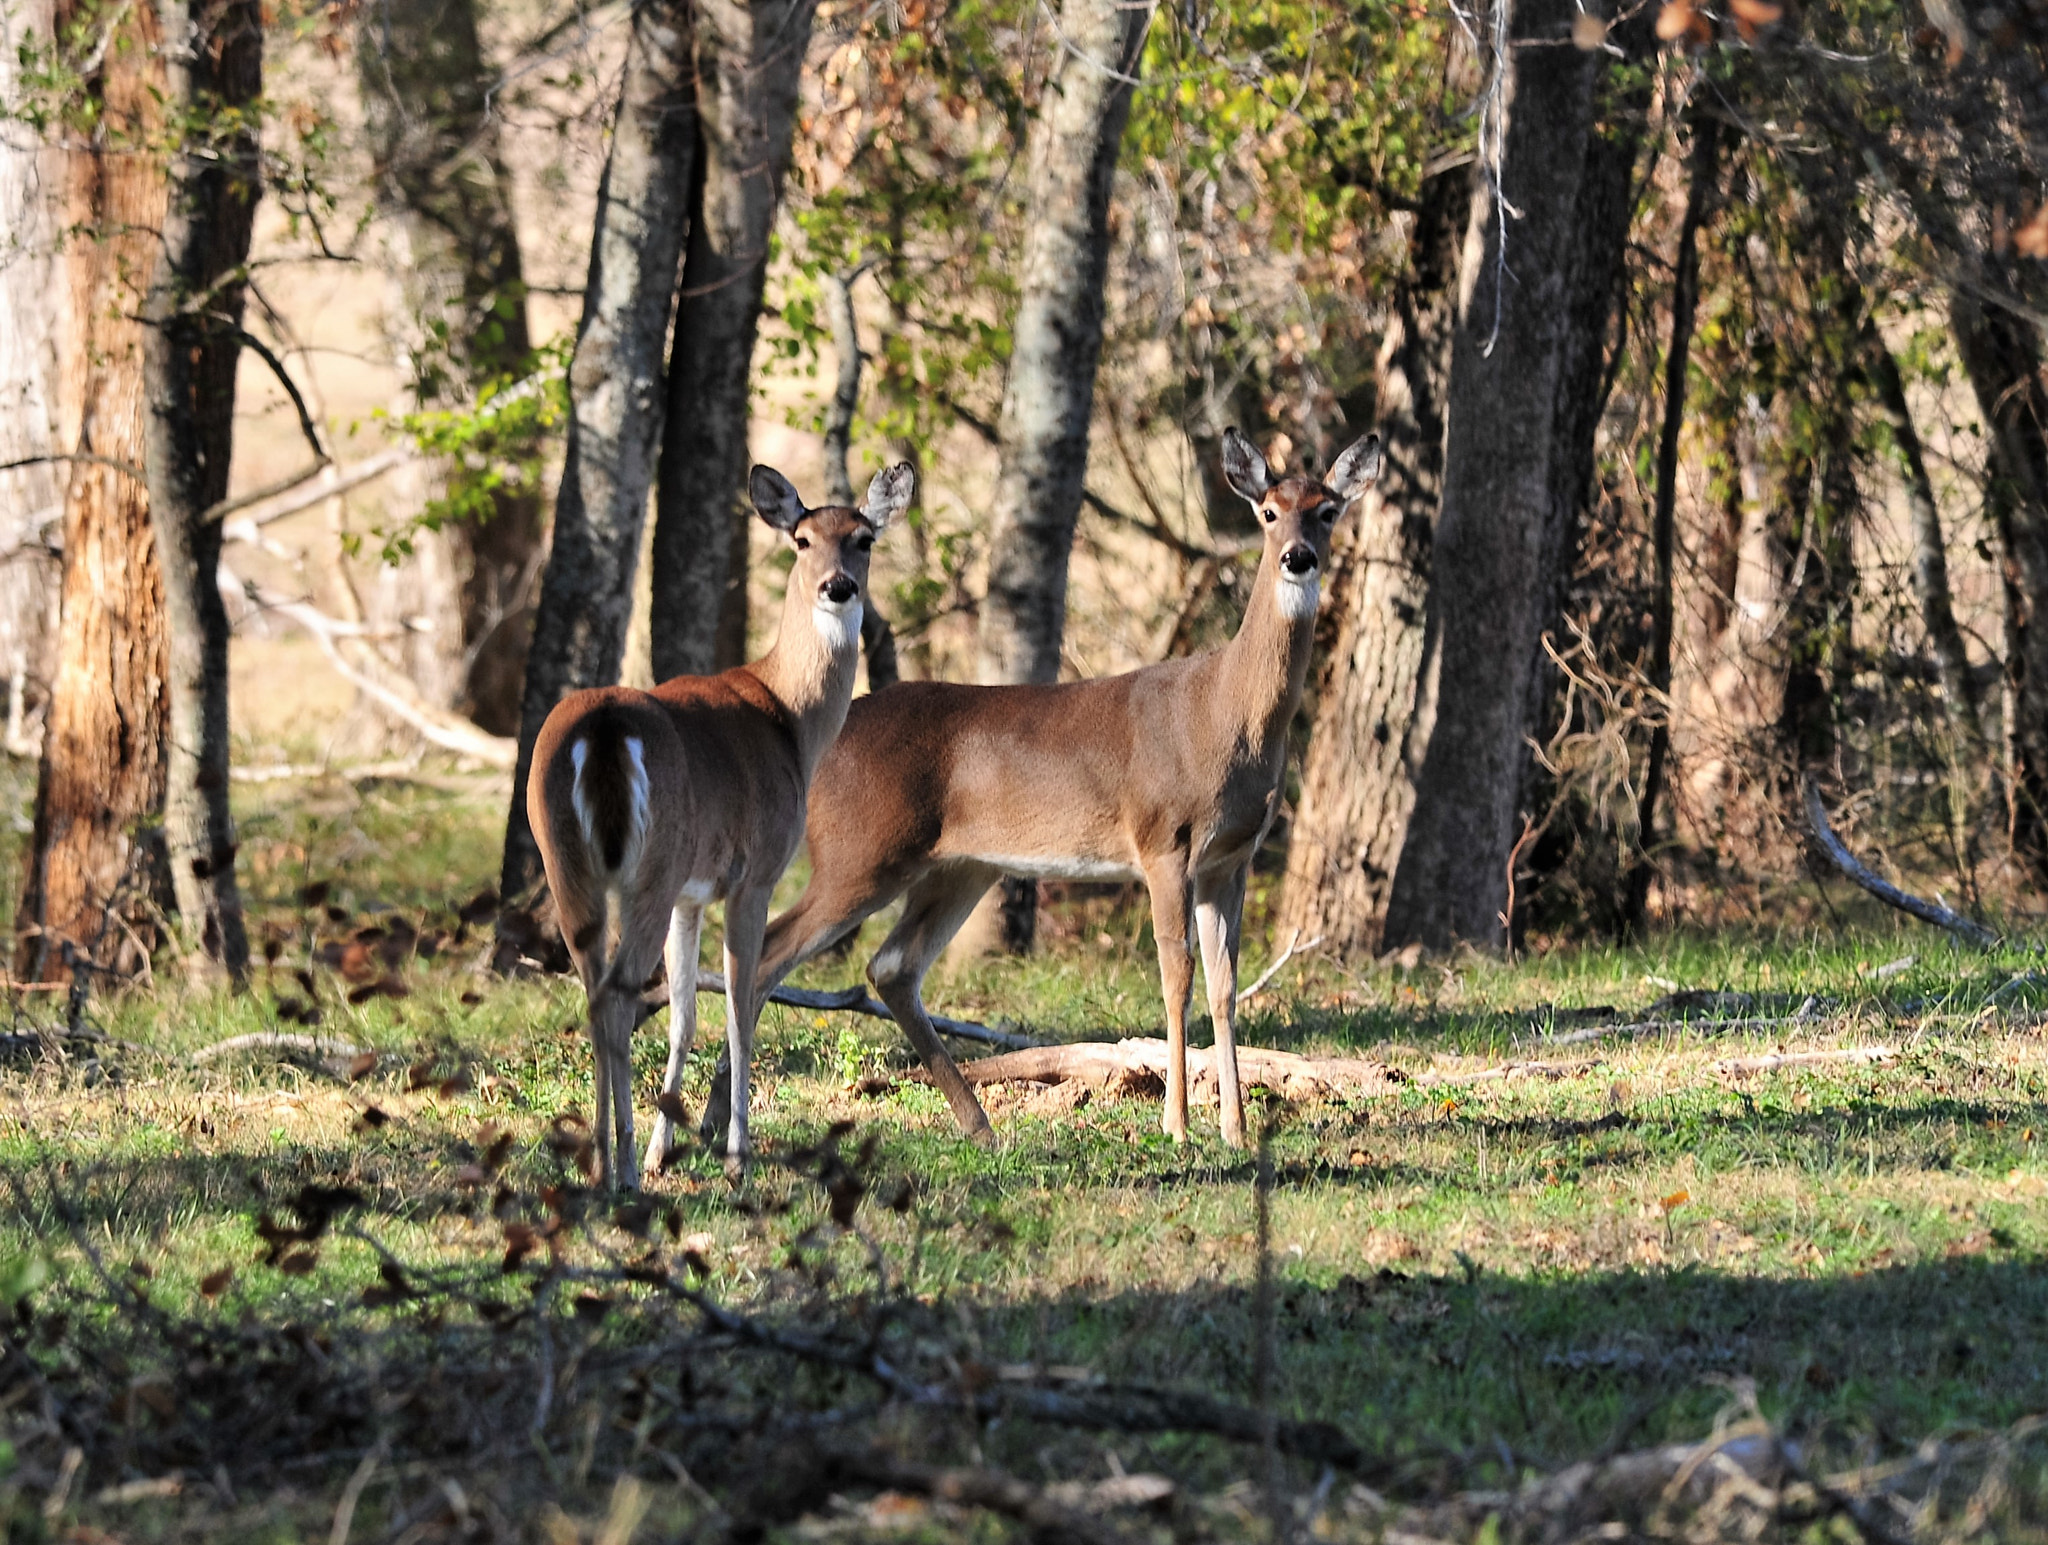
pixel 663 802
pixel 1169 774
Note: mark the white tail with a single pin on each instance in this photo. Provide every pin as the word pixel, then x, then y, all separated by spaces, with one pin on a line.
pixel 694 792
pixel 1169 774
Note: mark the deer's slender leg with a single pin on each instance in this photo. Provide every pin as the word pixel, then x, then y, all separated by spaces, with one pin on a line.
pixel 583 928
pixel 746 920
pixel 933 912
pixel 685 927
pixel 1219 911
pixel 1167 879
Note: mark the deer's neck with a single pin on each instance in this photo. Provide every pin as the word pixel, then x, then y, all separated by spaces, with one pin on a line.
pixel 1265 667
pixel 810 671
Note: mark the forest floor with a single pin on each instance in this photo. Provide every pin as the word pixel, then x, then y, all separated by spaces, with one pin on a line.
pixel 343 1296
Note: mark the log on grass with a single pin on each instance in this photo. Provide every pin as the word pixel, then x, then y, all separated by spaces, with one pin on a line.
pixel 1138 1066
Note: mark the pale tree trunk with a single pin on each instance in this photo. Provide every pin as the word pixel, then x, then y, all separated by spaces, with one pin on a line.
pixel 615 394
pixel 1050 393
pixel 1527 376
pixel 35 419
pixel 1372 719
pixel 750 54
pixel 877 639
pixel 89 873
pixel 441 176
pixel 213 63
pixel 2001 353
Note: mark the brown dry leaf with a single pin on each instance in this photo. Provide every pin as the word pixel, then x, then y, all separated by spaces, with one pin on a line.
pixel 299 1263
pixel 2031 239
pixel 215 1283
pixel 1588 32
pixel 1675 20
pixel 362 1067
pixel 1758 13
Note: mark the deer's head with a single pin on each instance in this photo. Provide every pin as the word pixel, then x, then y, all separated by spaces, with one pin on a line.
pixel 832 544
pixel 1297 512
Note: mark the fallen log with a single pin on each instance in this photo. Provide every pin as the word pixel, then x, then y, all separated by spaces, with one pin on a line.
pixel 1138 1067
pixel 1886 892
pixel 1802 1059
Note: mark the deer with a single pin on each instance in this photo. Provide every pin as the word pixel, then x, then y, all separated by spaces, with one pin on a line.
pixel 1170 775
pixel 650 806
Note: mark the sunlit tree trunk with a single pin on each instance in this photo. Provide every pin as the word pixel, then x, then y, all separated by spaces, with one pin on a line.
pixel 615 394
pixel 750 54
pixel 213 63
pixel 89 871
pixel 1372 719
pixel 1527 384
pixel 1050 394
pixel 441 176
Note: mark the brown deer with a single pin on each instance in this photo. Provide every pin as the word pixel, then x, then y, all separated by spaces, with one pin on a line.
pixel 1169 774
pixel 663 802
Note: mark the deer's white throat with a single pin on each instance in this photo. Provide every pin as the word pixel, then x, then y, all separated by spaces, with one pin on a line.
pixel 1298 597
pixel 838 624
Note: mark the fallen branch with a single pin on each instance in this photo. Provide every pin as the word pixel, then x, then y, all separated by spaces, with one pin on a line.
pixel 324 1046
pixel 1138 1066
pixel 1927 911
pixel 1642 1027
pixel 1507 1070
pixel 1274 969
pixel 855 1000
pixel 1059 1512
pixel 1801 1059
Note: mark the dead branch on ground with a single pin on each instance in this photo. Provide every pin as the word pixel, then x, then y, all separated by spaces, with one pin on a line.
pixel 1927 911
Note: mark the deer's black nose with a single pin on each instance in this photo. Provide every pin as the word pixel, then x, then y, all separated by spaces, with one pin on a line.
pixel 839 589
pixel 1299 560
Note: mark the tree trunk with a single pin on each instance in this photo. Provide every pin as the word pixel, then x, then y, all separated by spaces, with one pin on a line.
pixel 1050 394
pixel 1930 554
pixel 877 640
pixel 441 175
pixel 213 63
pixel 1685 294
pixel 615 394
pixel 89 870
pixel 1527 385
pixel 2002 356
pixel 750 54
pixel 1372 719
pixel 36 418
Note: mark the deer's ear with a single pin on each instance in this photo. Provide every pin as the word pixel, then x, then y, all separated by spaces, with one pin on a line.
pixel 889 495
pixel 1356 470
pixel 1244 467
pixel 775 498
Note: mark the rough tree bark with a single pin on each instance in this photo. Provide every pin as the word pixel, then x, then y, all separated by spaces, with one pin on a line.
pixel 750 54
pixel 1050 393
pixel 1685 294
pixel 2002 356
pixel 440 175
pixel 36 419
pixel 1526 389
pixel 615 394
pixel 1372 720
pixel 90 869
pixel 213 67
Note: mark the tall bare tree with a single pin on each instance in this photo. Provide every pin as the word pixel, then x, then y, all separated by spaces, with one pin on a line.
pixel 615 392
pixel 1372 714
pixel 89 870
pixel 1049 395
pixel 440 172
pixel 1528 379
pixel 750 54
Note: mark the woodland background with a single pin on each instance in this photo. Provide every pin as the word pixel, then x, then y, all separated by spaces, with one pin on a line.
pixel 1706 345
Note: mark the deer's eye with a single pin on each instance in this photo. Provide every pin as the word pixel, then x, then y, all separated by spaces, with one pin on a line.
pixel 803 544
pixel 864 542
pixel 1268 516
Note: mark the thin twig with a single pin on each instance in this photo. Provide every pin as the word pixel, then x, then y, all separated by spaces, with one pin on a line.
pixel 1274 969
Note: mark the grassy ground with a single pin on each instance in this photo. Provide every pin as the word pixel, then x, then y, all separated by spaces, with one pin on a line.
pixel 1475 1282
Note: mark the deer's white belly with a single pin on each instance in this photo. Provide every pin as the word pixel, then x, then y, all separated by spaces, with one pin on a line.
pixel 1059 867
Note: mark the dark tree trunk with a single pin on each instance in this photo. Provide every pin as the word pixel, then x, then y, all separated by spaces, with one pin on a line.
pixel 1685 294
pixel 213 61
pixel 1372 717
pixel 750 54
pixel 1527 385
pixel 89 869
pixel 1050 393
pixel 615 394
pixel 2002 356
pixel 441 173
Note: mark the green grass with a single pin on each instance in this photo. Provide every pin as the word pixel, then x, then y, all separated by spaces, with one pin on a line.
pixel 1514 1274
